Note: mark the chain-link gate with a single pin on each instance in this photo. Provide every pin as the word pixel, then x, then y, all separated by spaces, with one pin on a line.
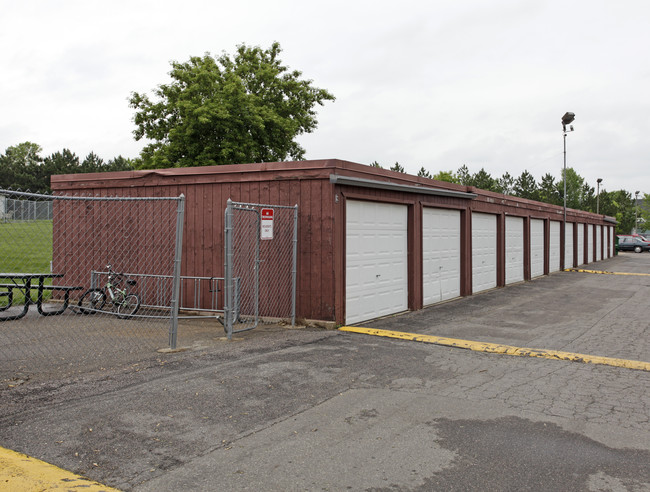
pixel 261 244
pixel 86 281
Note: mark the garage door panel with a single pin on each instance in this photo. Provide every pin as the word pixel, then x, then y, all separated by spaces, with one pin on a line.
pixel 484 252
pixel 581 245
pixel 440 254
pixel 536 248
pixel 554 247
pixel 376 260
pixel 568 245
pixel 514 249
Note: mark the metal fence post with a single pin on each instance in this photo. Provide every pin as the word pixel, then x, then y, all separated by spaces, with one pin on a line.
pixel 176 282
pixel 294 266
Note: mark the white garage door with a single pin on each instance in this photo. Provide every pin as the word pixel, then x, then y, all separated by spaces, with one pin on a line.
pixel 440 254
pixel 536 248
pixel 568 245
pixel 514 249
pixel 599 243
pixel 581 244
pixel 484 252
pixel 376 273
pixel 590 243
pixel 554 247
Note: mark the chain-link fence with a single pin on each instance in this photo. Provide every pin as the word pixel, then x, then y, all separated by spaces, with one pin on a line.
pixel 24 210
pixel 94 282
pixel 260 265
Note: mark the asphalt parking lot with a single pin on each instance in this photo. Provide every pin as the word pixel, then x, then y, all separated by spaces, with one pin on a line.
pixel 314 409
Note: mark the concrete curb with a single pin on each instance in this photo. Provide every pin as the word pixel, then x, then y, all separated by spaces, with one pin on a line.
pixel 21 472
pixel 502 349
pixel 605 272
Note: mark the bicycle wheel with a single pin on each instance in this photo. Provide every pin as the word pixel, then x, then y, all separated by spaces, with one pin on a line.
pixel 92 301
pixel 128 307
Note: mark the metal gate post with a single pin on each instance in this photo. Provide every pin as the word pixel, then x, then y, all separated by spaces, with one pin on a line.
pixel 228 287
pixel 176 282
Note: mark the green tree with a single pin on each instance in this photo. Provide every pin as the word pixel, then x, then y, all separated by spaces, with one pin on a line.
pixel 575 190
pixel 64 162
pixel 227 110
pixel 548 192
pixel 20 168
pixel 506 184
pixel 120 163
pixel 423 173
pixel 92 164
pixel 644 212
pixel 464 177
pixel 484 181
pixel 375 164
pixel 447 176
pixel 525 186
pixel 397 167
pixel 620 205
pixel 588 198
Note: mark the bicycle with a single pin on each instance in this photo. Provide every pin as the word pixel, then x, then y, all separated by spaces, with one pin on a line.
pixel 115 292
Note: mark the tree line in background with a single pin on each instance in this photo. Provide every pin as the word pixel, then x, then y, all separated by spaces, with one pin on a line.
pixel 580 195
pixel 23 168
pixel 249 107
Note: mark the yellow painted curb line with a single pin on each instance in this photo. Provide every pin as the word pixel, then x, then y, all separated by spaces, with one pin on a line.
pixel 605 272
pixel 495 348
pixel 21 472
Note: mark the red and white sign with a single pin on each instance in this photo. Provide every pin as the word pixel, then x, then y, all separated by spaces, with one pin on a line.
pixel 266 231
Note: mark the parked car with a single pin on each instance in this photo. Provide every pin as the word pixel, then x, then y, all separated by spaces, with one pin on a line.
pixel 631 243
pixel 642 237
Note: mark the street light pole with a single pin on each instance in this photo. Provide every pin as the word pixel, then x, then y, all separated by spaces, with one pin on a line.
pixel 636 208
pixel 598 181
pixel 566 119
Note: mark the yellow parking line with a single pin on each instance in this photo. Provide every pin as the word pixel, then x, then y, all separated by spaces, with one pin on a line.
pixel 495 348
pixel 605 272
pixel 21 472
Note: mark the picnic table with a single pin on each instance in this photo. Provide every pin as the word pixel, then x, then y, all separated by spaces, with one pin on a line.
pixel 24 282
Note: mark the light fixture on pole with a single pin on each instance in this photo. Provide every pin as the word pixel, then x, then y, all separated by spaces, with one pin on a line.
pixel 636 207
pixel 566 120
pixel 598 181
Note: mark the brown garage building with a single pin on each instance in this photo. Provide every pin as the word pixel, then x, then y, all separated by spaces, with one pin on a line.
pixel 371 242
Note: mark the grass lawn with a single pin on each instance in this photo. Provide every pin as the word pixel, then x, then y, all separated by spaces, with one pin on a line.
pixel 24 247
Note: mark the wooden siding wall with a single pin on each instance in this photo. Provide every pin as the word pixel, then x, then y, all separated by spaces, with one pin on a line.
pixel 203 237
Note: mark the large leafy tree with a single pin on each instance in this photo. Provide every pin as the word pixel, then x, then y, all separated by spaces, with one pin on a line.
pixel 576 193
pixel 227 110
pixel 20 168
pixel 447 176
pixel 620 205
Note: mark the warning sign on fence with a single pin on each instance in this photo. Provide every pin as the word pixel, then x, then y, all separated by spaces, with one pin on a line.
pixel 267 224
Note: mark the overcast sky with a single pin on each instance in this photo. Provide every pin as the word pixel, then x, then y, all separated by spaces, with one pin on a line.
pixel 425 83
